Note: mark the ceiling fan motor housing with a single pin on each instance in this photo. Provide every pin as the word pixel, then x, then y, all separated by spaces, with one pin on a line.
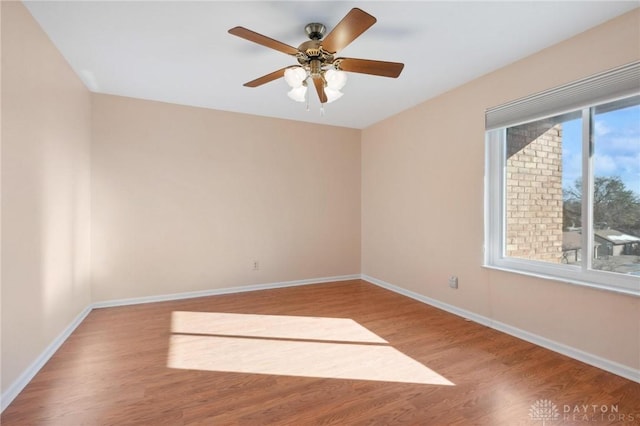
pixel 312 51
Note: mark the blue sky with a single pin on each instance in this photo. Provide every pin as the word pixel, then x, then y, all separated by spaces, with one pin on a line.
pixel 617 147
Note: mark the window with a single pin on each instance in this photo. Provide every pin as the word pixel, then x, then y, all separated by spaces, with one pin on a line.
pixel 563 183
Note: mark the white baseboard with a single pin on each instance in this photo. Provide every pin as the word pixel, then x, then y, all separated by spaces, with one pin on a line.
pixel 16 387
pixel 594 360
pixel 219 291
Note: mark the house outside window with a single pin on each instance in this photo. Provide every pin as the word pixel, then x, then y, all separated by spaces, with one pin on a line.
pixel 541 152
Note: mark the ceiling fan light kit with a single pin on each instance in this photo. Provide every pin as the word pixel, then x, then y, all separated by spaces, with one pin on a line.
pixel 298 94
pixel 295 76
pixel 317 61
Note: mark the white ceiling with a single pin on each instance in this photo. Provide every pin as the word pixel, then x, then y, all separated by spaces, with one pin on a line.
pixel 180 52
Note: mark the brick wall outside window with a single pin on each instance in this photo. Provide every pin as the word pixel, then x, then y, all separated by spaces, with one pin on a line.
pixel 534 191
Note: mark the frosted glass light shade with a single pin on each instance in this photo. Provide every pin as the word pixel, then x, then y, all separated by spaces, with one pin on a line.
pixel 332 94
pixel 298 93
pixel 295 76
pixel 335 79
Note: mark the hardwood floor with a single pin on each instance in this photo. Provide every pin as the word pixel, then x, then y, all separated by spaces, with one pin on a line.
pixel 131 365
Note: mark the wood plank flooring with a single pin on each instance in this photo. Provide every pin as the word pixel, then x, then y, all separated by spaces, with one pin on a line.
pixel 116 368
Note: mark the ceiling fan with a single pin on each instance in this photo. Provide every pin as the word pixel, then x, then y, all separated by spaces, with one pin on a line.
pixel 317 60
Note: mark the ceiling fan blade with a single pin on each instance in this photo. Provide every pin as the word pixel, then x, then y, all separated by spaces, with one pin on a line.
pixel 367 66
pixel 319 83
pixel 266 78
pixel 263 40
pixel 352 25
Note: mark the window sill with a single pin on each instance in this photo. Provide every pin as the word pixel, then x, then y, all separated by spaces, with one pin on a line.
pixel 571 281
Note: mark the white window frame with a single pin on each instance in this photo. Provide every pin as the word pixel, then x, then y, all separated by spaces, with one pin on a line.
pixel 532 109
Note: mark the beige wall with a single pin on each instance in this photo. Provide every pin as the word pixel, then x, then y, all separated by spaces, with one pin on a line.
pixel 45 192
pixel 185 199
pixel 422 203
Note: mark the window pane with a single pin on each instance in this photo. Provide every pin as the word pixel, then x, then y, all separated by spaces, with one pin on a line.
pixel 541 222
pixel 616 192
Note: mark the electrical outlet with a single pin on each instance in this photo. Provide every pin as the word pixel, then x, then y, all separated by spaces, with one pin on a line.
pixel 453 281
pixel 256 265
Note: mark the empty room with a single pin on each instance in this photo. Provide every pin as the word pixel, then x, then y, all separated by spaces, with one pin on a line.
pixel 320 212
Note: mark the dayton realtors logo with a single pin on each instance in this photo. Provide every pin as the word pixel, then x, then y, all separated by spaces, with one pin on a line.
pixel 597 413
pixel 545 410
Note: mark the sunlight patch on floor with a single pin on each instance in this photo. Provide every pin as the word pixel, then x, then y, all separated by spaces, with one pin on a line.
pixel 272 326
pixel 291 346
